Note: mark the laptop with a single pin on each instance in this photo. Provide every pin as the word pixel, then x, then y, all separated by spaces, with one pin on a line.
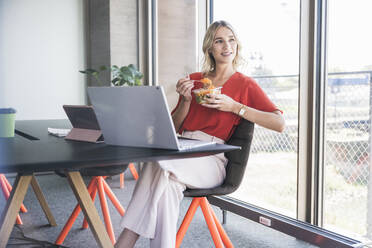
pixel 137 116
pixel 84 123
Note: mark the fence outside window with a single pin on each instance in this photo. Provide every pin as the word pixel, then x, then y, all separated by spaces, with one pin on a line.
pixel 347 139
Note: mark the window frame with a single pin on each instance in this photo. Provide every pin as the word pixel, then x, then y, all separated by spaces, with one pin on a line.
pixel 310 142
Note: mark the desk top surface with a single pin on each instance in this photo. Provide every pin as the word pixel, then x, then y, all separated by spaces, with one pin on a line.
pixel 34 150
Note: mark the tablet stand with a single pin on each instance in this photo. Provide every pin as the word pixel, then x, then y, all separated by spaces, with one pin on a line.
pixel 82 134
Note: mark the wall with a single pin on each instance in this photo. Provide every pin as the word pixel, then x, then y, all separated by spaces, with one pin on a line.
pixel 112 35
pixel 42 47
pixel 177 43
pixel 41 51
pixel 123 32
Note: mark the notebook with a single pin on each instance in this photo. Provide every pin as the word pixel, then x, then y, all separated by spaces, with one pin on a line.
pixel 84 123
pixel 137 116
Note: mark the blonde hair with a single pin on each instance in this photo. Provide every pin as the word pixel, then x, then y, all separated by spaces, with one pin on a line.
pixel 209 63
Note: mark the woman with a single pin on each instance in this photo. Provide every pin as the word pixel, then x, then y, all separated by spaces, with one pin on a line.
pixel 154 207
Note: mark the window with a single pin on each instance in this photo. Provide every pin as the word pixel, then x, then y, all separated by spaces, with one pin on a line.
pixel 270 43
pixel 347 187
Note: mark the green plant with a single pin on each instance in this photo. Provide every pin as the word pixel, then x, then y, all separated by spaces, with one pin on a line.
pixel 125 75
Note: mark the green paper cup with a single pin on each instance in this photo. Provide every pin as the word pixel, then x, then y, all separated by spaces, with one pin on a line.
pixel 7 120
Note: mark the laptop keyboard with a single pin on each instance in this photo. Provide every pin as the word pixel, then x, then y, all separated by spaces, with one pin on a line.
pixel 187 144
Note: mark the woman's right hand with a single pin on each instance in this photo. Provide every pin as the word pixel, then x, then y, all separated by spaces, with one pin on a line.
pixel 183 87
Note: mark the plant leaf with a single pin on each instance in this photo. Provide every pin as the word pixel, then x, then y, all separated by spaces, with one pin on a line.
pixel 125 75
pixel 138 81
pixel 122 82
pixel 132 70
pixel 90 70
pixel 126 70
pixel 139 75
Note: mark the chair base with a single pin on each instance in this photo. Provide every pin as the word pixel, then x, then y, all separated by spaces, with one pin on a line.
pixel 218 234
pixel 99 184
pixel 132 170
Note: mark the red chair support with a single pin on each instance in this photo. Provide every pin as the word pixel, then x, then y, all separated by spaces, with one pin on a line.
pixel 7 188
pixel 132 170
pixel 218 234
pixel 99 184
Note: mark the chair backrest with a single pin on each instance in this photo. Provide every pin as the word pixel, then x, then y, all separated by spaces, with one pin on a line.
pixel 237 162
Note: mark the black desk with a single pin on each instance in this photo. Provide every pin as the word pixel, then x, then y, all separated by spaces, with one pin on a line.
pixel 33 150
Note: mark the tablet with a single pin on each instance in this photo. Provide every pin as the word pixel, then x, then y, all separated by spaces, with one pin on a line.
pixel 82 116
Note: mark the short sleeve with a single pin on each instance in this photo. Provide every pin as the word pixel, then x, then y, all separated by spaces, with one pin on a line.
pixel 259 100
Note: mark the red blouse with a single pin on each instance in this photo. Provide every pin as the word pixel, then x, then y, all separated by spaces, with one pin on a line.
pixel 222 124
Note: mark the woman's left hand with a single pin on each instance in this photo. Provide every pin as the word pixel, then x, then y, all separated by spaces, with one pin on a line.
pixel 220 101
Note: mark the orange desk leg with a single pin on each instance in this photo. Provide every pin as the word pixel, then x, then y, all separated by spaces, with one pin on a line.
pixel 6 193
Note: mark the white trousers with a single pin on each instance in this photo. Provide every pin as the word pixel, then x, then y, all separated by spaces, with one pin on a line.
pixel 154 208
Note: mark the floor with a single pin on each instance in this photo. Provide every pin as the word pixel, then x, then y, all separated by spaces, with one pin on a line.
pixel 36 233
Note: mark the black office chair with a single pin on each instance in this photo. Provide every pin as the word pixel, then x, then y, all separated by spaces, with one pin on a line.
pixel 99 184
pixel 237 161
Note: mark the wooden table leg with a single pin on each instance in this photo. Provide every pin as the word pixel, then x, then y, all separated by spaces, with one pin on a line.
pixel 43 203
pixel 11 210
pixel 81 193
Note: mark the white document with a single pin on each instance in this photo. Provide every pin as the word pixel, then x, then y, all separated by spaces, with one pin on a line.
pixel 59 132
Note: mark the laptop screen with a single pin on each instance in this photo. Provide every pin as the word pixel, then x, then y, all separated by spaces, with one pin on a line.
pixel 134 116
